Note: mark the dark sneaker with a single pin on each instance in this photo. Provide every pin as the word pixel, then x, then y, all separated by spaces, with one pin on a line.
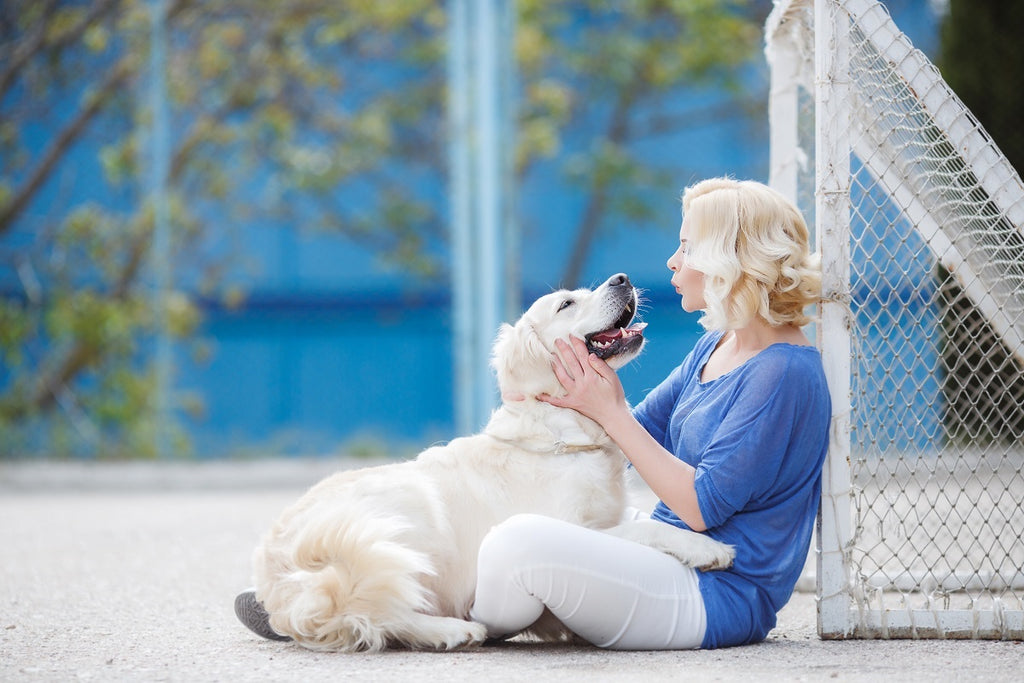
pixel 250 612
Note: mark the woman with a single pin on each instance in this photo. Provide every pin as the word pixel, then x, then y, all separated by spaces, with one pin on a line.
pixel 732 442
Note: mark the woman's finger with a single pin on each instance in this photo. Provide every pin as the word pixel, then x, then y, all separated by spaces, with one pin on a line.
pixel 567 355
pixel 563 377
pixel 553 400
pixel 601 367
pixel 579 348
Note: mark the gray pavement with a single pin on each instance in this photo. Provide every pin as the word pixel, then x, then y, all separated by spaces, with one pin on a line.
pixel 127 572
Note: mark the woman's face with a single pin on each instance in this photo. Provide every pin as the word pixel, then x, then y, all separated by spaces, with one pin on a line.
pixel 689 283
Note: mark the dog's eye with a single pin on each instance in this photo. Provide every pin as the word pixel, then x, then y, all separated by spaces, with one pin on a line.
pixel 566 304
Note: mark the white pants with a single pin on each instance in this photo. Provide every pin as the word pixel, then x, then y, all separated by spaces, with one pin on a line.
pixel 612 592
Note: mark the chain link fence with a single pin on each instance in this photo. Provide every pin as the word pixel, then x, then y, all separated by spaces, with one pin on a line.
pixel 919 218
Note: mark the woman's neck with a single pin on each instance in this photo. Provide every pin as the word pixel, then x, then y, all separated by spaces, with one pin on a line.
pixel 759 335
pixel 738 346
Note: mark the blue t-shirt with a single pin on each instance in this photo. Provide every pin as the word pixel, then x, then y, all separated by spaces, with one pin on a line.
pixel 757 437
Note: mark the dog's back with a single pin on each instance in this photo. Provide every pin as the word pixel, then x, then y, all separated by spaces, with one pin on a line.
pixel 366 553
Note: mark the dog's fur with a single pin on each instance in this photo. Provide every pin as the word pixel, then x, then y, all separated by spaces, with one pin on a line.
pixel 387 555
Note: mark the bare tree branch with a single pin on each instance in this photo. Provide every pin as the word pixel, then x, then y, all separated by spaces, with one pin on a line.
pixel 622 130
pixel 38 41
pixel 60 145
pixel 82 355
pixel 26 49
pixel 666 124
pixel 69 134
pixel 618 132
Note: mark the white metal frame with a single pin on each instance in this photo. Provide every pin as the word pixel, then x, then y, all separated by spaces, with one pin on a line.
pixel 788 52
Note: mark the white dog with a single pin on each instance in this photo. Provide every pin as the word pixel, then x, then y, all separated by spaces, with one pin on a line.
pixel 387 555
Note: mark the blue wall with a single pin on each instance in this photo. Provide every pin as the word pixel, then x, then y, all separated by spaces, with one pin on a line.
pixel 332 349
pixel 300 377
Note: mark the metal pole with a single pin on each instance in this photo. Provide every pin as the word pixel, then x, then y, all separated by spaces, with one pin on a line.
pixel 512 304
pixel 160 252
pixel 783 114
pixel 461 210
pixel 832 213
pixel 486 90
pixel 479 76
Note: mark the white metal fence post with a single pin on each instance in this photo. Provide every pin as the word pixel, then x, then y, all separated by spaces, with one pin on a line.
pixel 832 211
pixel 783 104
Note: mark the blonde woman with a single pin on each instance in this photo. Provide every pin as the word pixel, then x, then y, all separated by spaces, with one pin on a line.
pixel 732 442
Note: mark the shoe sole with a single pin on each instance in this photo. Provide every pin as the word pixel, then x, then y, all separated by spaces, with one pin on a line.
pixel 254 617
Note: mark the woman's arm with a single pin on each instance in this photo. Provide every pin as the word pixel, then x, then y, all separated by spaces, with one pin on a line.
pixel 593 389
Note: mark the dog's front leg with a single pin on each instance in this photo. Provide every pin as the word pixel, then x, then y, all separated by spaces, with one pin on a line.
pixel 689 547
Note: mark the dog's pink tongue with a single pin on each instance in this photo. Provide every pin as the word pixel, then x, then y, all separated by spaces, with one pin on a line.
pixel 611 335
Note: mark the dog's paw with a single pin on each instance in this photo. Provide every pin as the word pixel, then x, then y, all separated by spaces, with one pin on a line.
pixel 689 547
pixel 462 635
pixel 442 633
pixel 708 554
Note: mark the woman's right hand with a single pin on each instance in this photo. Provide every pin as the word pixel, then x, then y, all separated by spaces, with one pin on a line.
pixel 592 387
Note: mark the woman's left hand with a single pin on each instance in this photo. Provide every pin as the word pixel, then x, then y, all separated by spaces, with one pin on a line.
pixel 591 385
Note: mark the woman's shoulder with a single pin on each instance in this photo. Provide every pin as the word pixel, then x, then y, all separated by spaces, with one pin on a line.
pixel 797 373
pixel 799 364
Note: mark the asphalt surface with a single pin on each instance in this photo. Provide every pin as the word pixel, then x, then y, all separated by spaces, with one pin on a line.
pixel 127 572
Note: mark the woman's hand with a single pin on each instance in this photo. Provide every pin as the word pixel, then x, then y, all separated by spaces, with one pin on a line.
pixel 591 385
pixel 593 389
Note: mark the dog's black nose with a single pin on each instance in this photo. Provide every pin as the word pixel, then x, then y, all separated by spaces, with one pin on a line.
pixel 619 280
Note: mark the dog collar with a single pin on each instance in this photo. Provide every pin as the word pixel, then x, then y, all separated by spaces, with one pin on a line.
pixel 558 448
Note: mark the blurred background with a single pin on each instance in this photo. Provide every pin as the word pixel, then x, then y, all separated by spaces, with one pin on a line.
pixel 238 228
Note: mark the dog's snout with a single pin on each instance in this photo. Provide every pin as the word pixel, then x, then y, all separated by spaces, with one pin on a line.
pixel 619 280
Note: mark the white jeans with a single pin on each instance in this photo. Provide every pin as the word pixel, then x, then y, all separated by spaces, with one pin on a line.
pixel 614 593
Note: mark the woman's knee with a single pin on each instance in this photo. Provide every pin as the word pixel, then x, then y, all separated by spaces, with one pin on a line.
pixel 511 542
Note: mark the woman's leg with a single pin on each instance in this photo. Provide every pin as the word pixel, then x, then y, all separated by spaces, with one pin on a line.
pixel 610 591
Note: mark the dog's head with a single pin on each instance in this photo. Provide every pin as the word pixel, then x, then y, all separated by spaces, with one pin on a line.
pixel 602 317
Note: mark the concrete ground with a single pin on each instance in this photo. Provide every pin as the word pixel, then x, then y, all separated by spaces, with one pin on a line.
pixel 127 572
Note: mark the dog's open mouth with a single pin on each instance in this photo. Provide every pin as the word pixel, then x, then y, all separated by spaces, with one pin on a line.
pixel 620 338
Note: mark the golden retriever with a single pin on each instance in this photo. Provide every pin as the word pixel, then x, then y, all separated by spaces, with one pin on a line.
pixel 386 556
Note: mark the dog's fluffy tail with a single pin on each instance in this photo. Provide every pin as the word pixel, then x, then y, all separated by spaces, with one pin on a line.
pixel 345 583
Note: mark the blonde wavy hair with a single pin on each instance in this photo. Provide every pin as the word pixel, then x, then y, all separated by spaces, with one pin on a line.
pixel 753 247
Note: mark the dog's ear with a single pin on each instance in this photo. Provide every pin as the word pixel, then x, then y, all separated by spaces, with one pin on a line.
pixel 519 359
pixel 500 352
